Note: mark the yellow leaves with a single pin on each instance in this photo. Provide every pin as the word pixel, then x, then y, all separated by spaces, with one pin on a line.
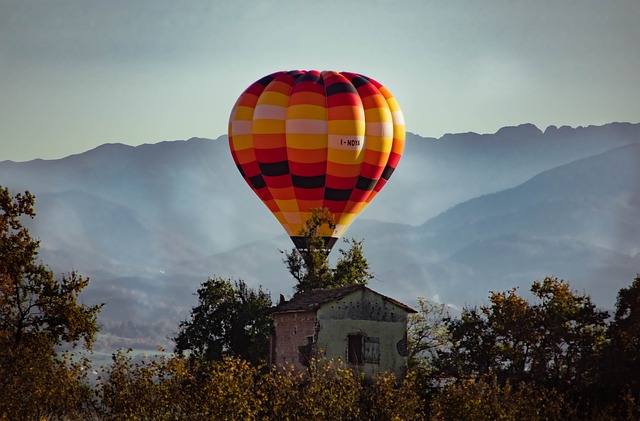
pixel 390 399
pixel 176 388
pixel 232 389
pixel 35 384
pixel 486 399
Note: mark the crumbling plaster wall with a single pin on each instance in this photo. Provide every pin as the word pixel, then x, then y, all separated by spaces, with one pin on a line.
pixel 372 316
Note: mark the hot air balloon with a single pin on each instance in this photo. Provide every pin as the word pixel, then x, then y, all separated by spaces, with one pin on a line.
pixel 307 140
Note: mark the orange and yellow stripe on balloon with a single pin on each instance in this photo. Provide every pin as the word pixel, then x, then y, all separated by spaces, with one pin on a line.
pixel 304 140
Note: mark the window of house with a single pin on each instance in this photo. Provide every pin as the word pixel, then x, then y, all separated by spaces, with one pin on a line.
pixel 355 345
pixel 372 350
pixel 305 352
pixel 362 349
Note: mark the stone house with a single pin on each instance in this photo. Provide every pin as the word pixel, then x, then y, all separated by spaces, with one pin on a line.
pixel 362 327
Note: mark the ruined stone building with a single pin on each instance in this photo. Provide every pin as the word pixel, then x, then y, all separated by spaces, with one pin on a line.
pixel 364 328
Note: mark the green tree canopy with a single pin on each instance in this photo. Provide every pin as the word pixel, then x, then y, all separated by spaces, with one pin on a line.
pixel 230 319
pixel 310 267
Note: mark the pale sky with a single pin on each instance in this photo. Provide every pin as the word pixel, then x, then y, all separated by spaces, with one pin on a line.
pixel 75 74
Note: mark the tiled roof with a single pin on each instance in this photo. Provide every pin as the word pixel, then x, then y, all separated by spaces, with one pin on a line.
pixel 312 300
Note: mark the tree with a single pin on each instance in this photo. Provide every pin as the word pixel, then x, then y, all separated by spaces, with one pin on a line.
pixel 427 334
pixel 624 333
pixel 173 388
pixel 230 319
pixel 570 333
pixel 487 399
pixel 555 343
pixel 37 313
pixel 352 267
pixel 620 366
pixel 34 305
pixel 310 267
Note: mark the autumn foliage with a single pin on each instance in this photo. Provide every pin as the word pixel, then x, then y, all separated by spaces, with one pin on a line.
pixel 556 356
pixel 168 388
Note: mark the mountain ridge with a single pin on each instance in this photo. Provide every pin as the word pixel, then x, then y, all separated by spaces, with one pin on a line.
pixel 458 218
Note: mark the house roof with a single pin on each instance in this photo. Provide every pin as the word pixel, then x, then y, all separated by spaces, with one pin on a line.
pixel 314 299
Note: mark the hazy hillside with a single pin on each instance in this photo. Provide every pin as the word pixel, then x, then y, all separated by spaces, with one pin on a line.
pixel 183 182
pixel 458 167
pixel 462 215
pixel 580 221
pixel 180 186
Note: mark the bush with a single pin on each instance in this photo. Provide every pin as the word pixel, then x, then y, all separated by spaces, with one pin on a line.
pixel 485 399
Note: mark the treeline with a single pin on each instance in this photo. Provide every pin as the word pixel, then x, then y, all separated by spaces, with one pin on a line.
pixel 555 356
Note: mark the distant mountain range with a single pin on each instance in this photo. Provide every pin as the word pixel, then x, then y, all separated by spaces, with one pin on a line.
pixel 462 215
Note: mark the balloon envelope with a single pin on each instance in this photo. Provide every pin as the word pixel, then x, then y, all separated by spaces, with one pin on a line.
pixel 305 140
